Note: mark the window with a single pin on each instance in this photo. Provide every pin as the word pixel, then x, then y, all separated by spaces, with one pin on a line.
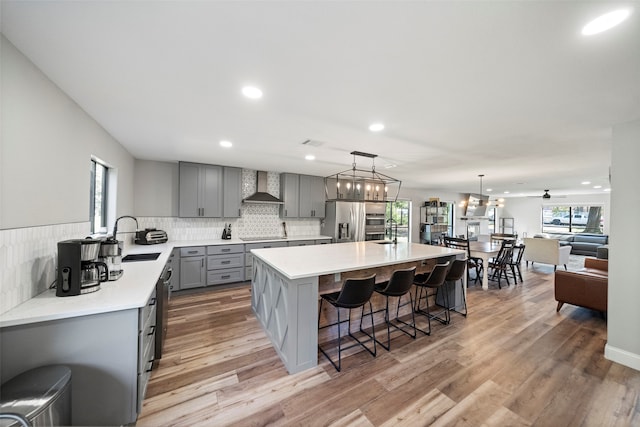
pixel 398 212
pixel 572 219
pixel 99 196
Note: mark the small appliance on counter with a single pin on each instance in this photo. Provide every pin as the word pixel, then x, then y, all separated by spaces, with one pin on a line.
pixel 151 236
pixel 79 271
pixel 226 233
pixel 111 255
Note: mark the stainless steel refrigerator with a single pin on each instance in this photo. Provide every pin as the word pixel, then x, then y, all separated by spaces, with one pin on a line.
pixel 354 221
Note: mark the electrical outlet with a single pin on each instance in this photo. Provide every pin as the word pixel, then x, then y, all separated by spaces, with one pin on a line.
pixel 336 277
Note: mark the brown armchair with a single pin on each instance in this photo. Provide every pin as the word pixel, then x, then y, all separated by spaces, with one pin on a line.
pixel 586 288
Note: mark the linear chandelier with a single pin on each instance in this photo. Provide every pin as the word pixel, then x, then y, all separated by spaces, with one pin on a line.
pixel 361 185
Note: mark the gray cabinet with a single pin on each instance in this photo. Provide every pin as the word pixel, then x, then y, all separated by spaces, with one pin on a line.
pixel 248 256
pixel 192 267
pixel 303 196
pixel 312 196
pixel 174 263
pixel 146 346
pixel 225 264
pixel 290 194
pixel 200 190
pixel 232 192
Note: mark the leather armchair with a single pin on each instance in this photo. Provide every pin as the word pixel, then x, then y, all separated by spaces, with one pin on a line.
pixel 587 287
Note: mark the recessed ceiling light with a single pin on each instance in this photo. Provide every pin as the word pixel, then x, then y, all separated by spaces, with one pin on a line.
pixel 226 144
pixel 506 192
pixel 376 127
pixel 597 186
pixel 586 182
pixel 310 157
pixel 607 189
pixel 390 165
pixel 489 190
pixel 252 92
pixel 605 22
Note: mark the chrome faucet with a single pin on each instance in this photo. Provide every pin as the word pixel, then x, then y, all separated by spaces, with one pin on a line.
pixel 395 234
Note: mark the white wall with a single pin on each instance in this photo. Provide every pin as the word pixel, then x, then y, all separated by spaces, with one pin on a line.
pixel 623 327
pixel 47 143
pixel 527 211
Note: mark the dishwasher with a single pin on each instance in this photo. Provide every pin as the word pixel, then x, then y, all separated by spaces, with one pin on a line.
pixel 162 293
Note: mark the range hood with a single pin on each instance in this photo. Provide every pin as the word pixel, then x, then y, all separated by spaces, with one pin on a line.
pixel 261 195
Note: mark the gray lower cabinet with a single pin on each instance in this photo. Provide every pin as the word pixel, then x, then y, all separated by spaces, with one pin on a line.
pixel 225 264
pixel 109 355
pixel 193 272
pixel 248 257
pixel 174 263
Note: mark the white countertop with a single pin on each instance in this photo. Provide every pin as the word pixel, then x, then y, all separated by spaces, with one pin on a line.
pixel 309 261
pixel 131 291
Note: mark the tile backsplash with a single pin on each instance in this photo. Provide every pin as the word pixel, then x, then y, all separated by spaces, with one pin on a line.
pixel 28 259
pixel 28 255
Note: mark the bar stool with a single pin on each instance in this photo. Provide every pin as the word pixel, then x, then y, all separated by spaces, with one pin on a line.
pixel 433 280
pixel 397 286
pixel 456 273
pixel 354 293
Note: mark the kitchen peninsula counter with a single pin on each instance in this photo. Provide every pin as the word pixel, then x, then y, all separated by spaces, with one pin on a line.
pixel 285 287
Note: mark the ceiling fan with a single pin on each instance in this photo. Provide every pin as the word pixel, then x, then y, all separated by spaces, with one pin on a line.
pixel 547 196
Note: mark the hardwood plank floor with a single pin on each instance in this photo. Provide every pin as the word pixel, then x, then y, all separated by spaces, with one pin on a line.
pixel 513 361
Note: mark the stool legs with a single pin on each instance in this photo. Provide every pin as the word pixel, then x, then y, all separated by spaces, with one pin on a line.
pixel 390 324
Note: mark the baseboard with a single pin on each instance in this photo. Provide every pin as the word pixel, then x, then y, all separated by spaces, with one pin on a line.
pixel 623 357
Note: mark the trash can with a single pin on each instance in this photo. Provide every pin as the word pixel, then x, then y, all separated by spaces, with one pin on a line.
pixel 41 396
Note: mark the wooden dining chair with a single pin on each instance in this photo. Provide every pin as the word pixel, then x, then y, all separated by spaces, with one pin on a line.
pixel 501 264
pixel 474 263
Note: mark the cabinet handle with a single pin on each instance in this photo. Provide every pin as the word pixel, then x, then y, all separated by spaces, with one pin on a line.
pixel 225 262
pixel 202 262
pixel 152 301
pixel 226 276
pixel 238 212
pixel 152 330
pixel 285 212
pixel 192 252
pixel 266 247
pixel 226 250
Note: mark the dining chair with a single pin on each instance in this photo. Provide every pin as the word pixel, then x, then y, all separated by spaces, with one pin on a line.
pixel 501 264
pixel 474 263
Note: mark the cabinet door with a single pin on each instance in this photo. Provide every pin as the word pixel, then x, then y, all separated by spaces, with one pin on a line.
pixel 289 193
pixel 211 185
pixel 318 196
pixel 192 272
pixel 232 192
pixel 174 262
pixel 189 177
pixel 306 196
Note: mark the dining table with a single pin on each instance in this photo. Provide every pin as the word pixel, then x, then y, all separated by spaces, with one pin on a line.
pixel 485 251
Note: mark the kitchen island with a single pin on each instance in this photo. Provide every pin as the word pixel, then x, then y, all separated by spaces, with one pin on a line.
pixel 286 284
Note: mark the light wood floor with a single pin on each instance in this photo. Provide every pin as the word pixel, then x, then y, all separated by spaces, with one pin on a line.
pixel 513 361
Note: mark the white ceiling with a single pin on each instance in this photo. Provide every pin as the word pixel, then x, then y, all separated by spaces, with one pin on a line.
pixel 511 89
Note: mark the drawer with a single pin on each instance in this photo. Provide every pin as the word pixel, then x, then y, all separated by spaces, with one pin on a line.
pixel 192 251
pixel 302 243
pixel 146 346
pixel 217 277
pixel 265 245
pixel 143 376
pixel 225 249
pixel 147 313
pixel 224 261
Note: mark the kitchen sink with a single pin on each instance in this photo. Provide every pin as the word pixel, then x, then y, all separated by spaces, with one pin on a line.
pixel 141 257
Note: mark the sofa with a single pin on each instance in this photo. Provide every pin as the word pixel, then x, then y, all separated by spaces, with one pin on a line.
pixel 586 288
pixel 546 251
pixel 581 243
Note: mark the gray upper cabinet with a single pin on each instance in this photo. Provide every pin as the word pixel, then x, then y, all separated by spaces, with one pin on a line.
pixel 290 194
pixel 312 196
pixel 200 190
pixel 232 193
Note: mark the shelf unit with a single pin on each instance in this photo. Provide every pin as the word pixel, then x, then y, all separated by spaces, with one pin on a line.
pixel 435 221
pixel 507 226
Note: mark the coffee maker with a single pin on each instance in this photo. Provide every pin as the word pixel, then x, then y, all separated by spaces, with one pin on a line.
pixel 111 255
pixel 79 271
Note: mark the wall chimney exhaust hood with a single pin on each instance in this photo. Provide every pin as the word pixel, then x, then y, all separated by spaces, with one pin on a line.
pixel 261 195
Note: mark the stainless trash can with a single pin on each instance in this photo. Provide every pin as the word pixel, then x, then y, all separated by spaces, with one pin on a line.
pixel 42 396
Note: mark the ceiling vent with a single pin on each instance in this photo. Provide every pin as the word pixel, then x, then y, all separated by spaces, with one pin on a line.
pixel 312 143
